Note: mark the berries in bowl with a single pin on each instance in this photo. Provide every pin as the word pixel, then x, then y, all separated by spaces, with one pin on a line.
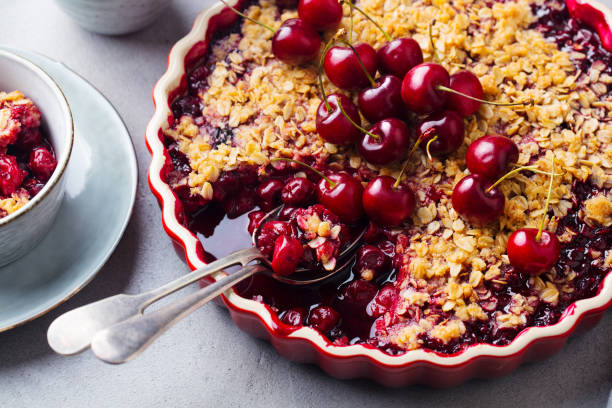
pixel 36 135
pixel 437 286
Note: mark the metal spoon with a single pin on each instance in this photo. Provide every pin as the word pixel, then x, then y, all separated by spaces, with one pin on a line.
pixel 130 331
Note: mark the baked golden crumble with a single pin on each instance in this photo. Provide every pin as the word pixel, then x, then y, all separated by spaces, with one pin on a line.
pixel 445 264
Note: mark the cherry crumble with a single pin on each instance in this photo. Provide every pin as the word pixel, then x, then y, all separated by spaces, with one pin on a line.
pixel 432 277
pixel 27 158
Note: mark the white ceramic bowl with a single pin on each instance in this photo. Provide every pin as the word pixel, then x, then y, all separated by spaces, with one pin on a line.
pixel 114 17
pixel 23 229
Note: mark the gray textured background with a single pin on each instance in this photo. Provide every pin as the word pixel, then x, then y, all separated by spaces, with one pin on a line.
pixel 205 360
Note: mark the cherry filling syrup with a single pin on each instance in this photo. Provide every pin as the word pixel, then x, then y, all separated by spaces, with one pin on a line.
pixel 570 35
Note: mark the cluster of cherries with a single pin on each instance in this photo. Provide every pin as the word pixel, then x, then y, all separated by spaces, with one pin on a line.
pixel 27 161
pixel 341 194
pixel 406 88
pixel 477 198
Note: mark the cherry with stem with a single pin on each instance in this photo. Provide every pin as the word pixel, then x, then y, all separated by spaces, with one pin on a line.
pixel 387 202
pixel 391 143
pixel 321 14
pixel 295 42
pixel 426 86
pixel 397 56
pixel 431 41
pixel 491 155
pixel 333 124
pixel 339 192
pixel 475 202
pixel 449 129
pixel 351 67
pixel 532 250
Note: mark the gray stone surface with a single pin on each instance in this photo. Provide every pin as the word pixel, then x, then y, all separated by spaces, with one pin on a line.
pixel 205 360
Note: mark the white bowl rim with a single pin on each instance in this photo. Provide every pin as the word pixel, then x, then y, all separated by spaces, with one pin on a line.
pixel 67 116
pixel 169 82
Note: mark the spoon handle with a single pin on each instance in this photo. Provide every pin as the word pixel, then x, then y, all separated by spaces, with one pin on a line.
pixel 242 257
pixel 125 340
pixel 72 332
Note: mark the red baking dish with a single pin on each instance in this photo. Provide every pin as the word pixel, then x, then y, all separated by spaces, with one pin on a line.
pixel 305 344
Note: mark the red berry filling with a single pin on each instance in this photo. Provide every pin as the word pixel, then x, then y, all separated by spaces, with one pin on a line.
pixel 27 159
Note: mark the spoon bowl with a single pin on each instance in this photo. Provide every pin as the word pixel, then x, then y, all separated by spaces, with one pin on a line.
pixel 305 276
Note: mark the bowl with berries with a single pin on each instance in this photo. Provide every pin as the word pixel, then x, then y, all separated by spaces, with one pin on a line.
pixel 462 153
pixel 36 135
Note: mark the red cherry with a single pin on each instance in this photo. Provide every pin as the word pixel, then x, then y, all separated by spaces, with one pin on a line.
pixel 268 233
pixel 392 143
pixel 296 42
pixel 342 199
pixel 383 301
pixel 287 254
pixel 399 56
pixel 371 261
pixel 466 83
pixel 28 139
pixel 323 318
pixel 332 125
pixel 382 101
pixel 321 14
pixel 286 212
pixel 42 163
pixel 472 201
pixel 491 155
pixel 294 316
pixel 528 254
pixel 448 127
pixel 34 186
pixel 420 88
pixel 298 191
pixel 343 68
pixel 269 192
pixel 11 176
pixel 356 296
pixel 255 218
pixel 386 204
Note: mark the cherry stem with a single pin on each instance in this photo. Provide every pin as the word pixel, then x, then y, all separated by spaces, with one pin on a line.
pixel 333 184
pixel 387 36
pixel 431 41
pixel 363 67
pixel 353 122
pixel 515 171
pixel 421 137
pixel 247 17
pixel 410 153
pixel 427 147
pixel 536 170
pixel 550 185
pixel 447 89
pixel 320 76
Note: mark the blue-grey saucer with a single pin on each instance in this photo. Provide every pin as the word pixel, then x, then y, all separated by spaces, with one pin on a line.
pixel 101 186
